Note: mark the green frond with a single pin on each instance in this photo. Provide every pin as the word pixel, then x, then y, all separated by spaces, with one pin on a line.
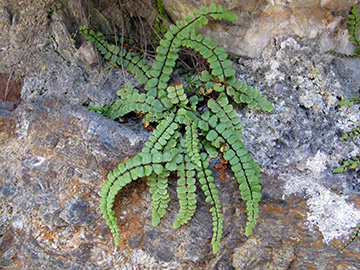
pixel 348 164
pixel 192 143
pixel 242 93
pixel 224 120
pixel 158 184
pixel 176 95
pixel 186 192
pixel 211 196
pixel 194 123
pixel 348 102
pixel 162 134
pixel 354 26
pixel 223 135
pixel 118 56
pixel 353 134
pixel 221 68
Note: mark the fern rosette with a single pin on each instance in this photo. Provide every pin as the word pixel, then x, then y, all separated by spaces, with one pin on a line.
pixel 191 128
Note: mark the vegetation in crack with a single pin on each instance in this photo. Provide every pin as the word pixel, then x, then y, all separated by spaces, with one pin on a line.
pixel 353 237
pixel 193 123
pixel 351 163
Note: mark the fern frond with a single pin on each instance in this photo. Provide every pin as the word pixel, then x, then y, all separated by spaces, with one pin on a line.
pixel 354 26
pixel 348 102
pixel 242 93
pixel 186 192
pixel 192 143
pixel 221 70
pixel 348 164
pixel 342 55
pixel 224 137
pixel 211 196
pixel 168 50
pixel 191 128
pixel 121 58
pixel 176 95
pixel 158 188
pixel 162 134
pixel 353 163
pixel 353 134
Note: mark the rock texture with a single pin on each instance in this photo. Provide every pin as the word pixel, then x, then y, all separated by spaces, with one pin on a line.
pixel 52 150
pixel 260 21
pixel 55 155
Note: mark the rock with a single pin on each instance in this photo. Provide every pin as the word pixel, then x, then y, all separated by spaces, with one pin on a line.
pixel 261 21
pixel 56 154
pixel 292 73
pixel 53 150
pixel 38 36
pixel 10 89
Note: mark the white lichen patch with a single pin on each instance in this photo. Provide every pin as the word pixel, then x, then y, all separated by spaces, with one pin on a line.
pixel 317 163
pixel 330 213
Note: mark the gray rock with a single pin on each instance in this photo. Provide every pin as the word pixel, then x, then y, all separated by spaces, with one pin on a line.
pixel 56 154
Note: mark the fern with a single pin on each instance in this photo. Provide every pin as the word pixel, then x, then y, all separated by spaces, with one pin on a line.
pixel 348 102
pixel 189 128
pixel 353 28
pixel 352 239
pixel 349 163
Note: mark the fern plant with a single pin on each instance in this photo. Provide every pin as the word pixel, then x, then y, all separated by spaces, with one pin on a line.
pixel 350 164
pixel 191 126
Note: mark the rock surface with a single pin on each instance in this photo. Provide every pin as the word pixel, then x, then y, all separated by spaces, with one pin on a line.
pixel 261 21
pixel 55 155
